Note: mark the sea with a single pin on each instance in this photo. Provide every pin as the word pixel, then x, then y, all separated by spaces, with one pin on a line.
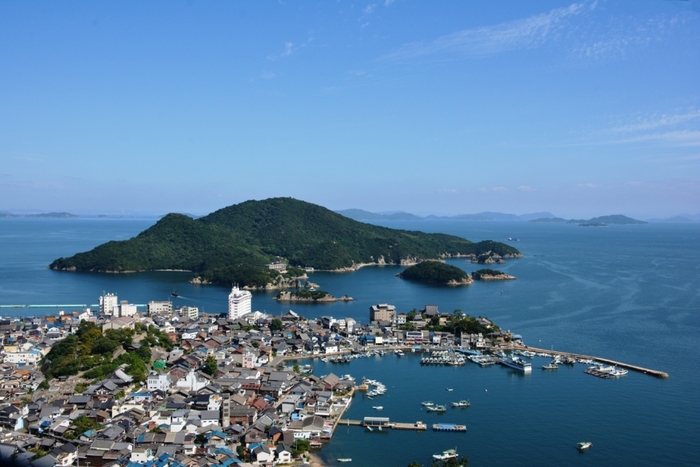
pixel 625 292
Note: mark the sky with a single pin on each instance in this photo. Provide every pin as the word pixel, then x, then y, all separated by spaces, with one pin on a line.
pixel 580 108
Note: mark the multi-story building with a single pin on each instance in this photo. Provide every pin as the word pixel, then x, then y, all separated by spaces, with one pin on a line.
pixel 160 308
pixel 382 312
pixel 108 303
pixel 239 303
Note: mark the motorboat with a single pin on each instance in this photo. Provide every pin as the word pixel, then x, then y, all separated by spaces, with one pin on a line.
pixel 377 407
pixel 445 455
pixel 583 445
pixel 463 403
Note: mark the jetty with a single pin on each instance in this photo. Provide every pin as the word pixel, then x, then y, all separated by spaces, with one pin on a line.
pixel 646 371
pixel 384 422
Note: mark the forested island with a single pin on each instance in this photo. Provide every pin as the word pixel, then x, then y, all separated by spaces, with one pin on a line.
pixel 314 296
pixel 234 244
pixel 437 273
pixel 491 275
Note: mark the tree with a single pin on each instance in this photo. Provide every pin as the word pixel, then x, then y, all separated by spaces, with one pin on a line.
pixel 276 325
pixel 210 366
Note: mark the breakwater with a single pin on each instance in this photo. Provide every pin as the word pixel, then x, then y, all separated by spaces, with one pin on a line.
pixel 646 371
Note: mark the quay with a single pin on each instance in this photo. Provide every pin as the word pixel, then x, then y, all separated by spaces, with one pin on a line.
pixel 646 371
pixel 384 422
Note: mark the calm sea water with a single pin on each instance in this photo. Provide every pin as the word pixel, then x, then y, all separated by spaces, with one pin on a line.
pixel 630 293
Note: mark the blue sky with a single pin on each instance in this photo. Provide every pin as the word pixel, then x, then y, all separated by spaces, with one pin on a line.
pixel 578 108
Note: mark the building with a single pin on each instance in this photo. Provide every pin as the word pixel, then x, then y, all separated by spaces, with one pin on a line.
pixel 108 303
pixel 160 308
pixel 239 303
pixel 382 312
pixel 277 266
pixel 126 309
pixel 192 312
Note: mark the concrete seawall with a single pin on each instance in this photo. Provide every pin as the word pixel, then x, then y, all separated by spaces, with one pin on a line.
pixel 646 371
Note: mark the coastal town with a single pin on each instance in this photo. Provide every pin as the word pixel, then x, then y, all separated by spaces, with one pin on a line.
pixel 219 389
pixel 166 386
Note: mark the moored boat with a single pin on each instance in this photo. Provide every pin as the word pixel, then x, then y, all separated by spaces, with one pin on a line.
pixel 437 408
pixel 517 363
pixel 344 459
pixel 462 403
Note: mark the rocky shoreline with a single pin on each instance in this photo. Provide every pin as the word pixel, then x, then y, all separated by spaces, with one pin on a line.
pixel 496 277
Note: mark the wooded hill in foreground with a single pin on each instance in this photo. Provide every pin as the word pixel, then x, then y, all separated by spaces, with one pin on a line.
pixel 233 244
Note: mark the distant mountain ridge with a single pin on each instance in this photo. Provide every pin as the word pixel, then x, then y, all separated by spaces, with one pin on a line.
pixel 362 215
pixel 233 244
pixel 542 217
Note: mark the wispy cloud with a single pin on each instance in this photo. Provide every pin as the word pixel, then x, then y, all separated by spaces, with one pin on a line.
pixel 653 122
pixel 525 188
pixel 587 185
pixel 489 40
pixel 499 188
pixel 369 9
pixel 672 138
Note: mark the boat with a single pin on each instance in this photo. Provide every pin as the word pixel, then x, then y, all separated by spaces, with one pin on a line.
pixel 464 403
pixel 449 389
pixel 517 363
pixel 344 459
pixel 583 445
pixel 427 403
pixel 377 407
pixel 617 372
pixel 550 366
pixel 369 428
pixel 444 455
pixel 437 408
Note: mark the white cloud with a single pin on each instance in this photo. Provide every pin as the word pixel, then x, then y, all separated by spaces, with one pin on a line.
pixel 587 185
pixel 652 122
pixel 369 8
pixel 525 188
pixel 489 40
pixel 388 2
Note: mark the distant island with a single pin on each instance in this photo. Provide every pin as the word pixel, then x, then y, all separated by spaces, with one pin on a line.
pixel 55 215
pixel 600 221
pixel 240 243
pixel 436 273
pixel 491 275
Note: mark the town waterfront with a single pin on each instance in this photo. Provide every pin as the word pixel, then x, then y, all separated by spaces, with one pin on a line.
pixel 630 293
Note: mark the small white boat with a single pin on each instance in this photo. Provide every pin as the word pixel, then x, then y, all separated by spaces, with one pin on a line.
pixel 583 445
pixel 377 407
pixel 449 389
pixel 444 455
pixel 344 459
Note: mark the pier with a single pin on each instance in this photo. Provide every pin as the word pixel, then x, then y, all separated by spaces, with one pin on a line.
pixel 384 422
pixel 646 371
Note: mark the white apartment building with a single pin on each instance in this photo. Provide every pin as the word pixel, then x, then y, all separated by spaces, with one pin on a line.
pixel 239 303
pixel 108 303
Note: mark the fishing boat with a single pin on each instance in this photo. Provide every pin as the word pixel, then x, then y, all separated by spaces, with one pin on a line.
pixel 437 408
pixel 427 403
pixel 444 455
pixel 583 445
pixel 463 403
pixel 550 366
pixel 344 459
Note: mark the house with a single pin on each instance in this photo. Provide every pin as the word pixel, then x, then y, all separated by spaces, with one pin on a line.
pixel 283 454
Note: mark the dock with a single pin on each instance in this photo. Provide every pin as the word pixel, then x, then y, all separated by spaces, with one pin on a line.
pixel 646 371
pixel 384 422
pixel 449 427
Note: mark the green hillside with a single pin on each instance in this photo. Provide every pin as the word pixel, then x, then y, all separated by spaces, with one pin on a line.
pixel 234 243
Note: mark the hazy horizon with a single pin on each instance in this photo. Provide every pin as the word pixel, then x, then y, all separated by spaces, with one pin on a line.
pixel 579 108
